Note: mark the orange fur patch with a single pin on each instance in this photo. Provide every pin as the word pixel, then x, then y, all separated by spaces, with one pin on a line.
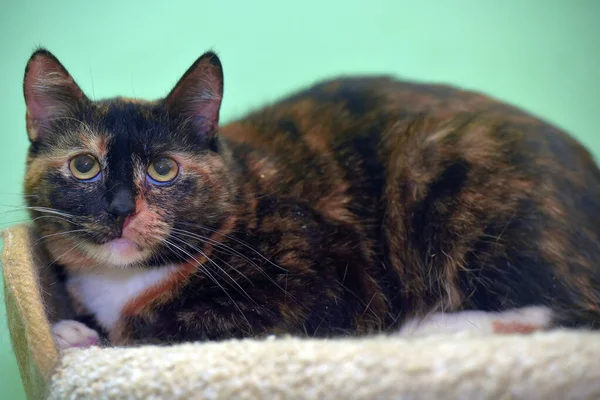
pixel 514 327
pixel 96 144
pixel 133 100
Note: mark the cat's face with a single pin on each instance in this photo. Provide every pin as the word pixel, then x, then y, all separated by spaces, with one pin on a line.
pixel 109 182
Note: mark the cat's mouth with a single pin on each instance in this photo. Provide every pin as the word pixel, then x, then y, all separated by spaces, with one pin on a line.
pixel 123 247
pixel 120 251
pixel 139 235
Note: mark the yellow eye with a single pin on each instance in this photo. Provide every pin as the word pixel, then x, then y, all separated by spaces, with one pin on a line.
pixel 163 170
pixel 84 167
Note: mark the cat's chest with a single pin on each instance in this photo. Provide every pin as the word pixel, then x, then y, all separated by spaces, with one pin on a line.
pixel 106 293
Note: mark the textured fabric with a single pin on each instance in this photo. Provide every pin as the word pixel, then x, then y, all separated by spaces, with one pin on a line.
pixel 557 365
pixel 25 311
pixel 552 365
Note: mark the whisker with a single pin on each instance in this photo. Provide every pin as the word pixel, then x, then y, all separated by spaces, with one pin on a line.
pixel 237 241
pixel 220 268
pixel 51 217
pixel 58 234
pixel 176 235
pixel 6 224
pixel 38 209
pixel 367 306
pixel 199 264
pixel 57 259
pixel 206 239
pixel 51 211
pixel 31 222
pixel 18 194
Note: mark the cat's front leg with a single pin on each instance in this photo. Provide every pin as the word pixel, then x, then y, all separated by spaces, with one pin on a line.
pixel 81 331
pixel 217 319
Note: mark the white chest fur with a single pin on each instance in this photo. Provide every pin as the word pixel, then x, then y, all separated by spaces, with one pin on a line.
pixel 105 293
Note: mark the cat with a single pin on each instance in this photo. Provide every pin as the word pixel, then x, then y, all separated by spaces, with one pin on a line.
pixel 352 207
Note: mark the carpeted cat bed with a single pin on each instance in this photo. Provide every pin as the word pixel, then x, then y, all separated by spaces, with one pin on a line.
pixel 551 365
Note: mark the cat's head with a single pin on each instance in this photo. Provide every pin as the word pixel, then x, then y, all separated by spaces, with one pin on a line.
pixel 110 182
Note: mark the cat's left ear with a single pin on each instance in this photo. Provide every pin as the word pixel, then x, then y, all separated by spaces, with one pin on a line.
pixel 198 94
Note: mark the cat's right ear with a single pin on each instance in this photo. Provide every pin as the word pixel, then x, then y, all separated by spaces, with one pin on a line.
pixel 50 93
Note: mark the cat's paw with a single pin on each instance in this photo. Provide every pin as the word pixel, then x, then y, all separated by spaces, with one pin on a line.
pixel 69 333
pixel 520 320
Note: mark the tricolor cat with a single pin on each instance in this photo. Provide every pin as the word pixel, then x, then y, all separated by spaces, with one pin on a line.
pixel 348 208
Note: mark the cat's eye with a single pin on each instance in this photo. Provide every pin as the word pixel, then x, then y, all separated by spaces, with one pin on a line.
pixel 163 170
pixel 84 167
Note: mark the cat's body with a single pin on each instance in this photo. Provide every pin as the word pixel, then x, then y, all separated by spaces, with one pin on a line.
pixel 344 209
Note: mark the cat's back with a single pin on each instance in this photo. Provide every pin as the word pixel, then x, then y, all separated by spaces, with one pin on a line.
pixel 327 114
pixel 356 132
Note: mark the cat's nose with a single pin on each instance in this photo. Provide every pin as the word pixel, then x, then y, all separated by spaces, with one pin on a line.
pixel 122 203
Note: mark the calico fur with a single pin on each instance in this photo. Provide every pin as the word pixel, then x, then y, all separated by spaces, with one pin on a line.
pixel 343 209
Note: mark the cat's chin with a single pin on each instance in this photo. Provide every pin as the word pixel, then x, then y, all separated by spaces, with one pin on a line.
pixel 119 252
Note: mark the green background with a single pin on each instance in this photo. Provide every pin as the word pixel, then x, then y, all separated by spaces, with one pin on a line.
pixel 543 55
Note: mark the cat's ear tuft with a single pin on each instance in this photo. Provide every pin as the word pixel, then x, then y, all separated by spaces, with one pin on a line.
pixel 50 92
pixel 198 94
